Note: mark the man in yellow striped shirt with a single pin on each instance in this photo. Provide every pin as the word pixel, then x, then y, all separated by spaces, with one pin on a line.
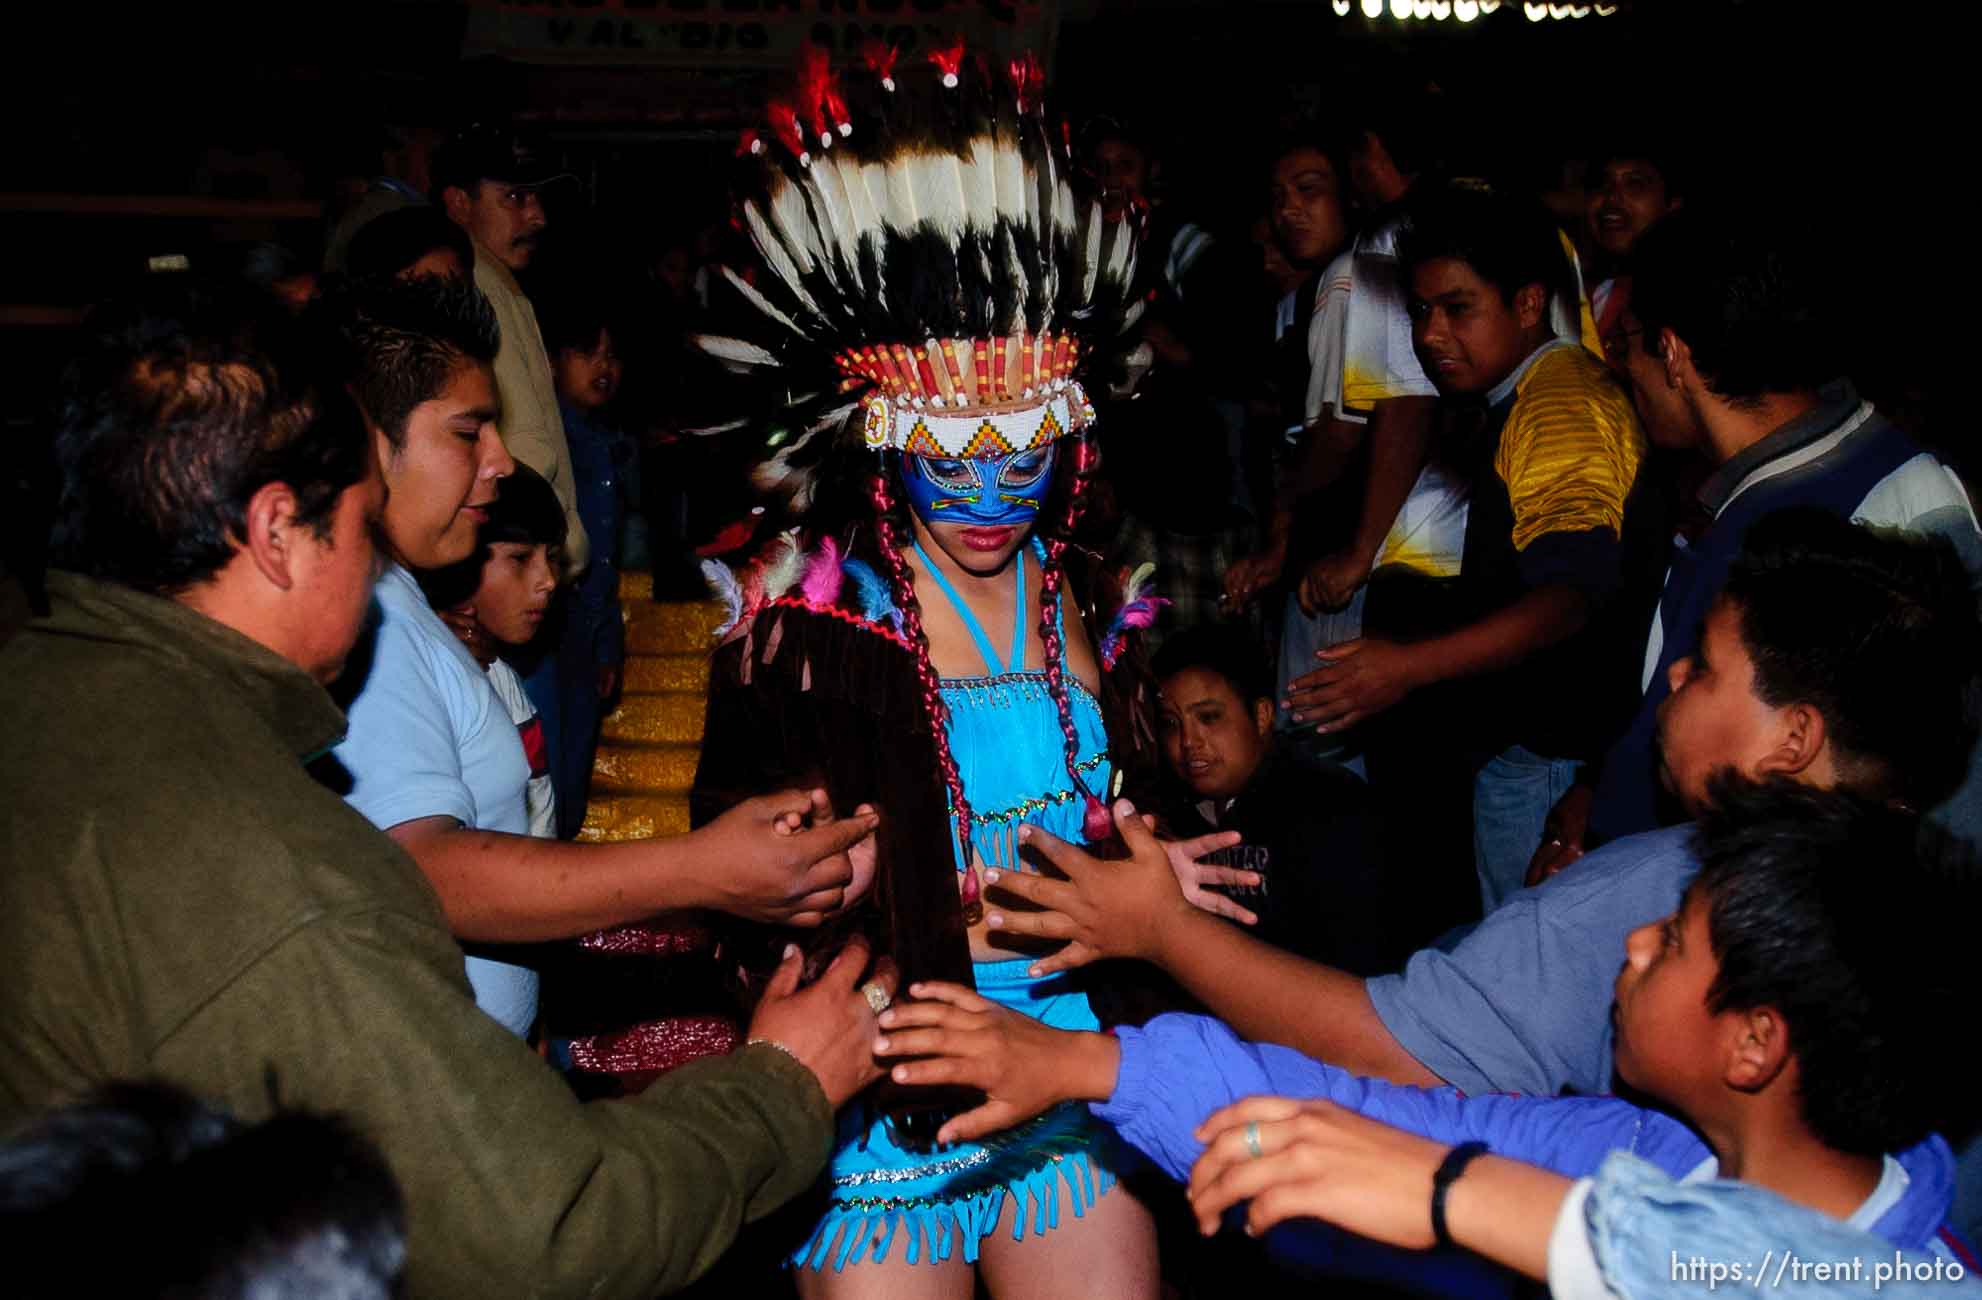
pixel 1544 655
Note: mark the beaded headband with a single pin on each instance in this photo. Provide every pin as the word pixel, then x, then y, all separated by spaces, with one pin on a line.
pixel 979 435
pixel 930 281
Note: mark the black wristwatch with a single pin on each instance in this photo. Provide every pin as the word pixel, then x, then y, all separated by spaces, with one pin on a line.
pixel 1448 1172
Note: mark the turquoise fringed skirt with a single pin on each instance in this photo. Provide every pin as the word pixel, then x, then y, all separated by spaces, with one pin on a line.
pixel 1006 738
pixel 945 1202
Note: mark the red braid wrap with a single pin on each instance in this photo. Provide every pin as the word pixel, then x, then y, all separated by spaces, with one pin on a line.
pixel 1096 824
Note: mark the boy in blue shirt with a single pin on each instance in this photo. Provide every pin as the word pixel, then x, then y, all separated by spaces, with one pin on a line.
pixel 1791 1014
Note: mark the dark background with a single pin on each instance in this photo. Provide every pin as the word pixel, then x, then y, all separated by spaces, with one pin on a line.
pixel 191 129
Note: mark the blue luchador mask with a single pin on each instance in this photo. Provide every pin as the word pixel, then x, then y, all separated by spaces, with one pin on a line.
pixel 981 493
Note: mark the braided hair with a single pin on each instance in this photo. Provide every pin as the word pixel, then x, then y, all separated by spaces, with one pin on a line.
pixel 1081 462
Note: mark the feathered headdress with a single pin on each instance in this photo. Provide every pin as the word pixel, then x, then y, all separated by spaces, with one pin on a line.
pixel 932 278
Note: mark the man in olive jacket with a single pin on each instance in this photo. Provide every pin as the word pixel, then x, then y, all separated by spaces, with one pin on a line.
pixel 179 898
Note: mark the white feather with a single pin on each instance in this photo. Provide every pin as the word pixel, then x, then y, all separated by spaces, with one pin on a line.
pixel 775 257
pixel 1121 254
pixel 1046 184
pixel 1066 216
pixel 761 303
pixel 842 242
pixel 980 184
pixel 897 196
pixel 1091 253
pixel 937 180
pixel 724 587
pixel 736 354
pixel 832 418
pixel 1011 179
pixel 863 217
pixel 710 430
pixel 778 477
pixel 1012 207
pixel 874 186
pixel 800 233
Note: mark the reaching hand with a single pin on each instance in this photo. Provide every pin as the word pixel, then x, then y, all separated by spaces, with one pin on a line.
pixel 1316 1161
pixel 1331 581
pixel 1356 680
pixel 1563 833
pixel 787 859
pixel 1118 908
pixel 828 1027
pixel 1195 877
pixel 1023 1067
pixel 1251 574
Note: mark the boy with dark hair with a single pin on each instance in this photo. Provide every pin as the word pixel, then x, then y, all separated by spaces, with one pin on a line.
pixel 496 601
pixel 1791 1013
pixel 580 672
pixel 1543 579
pixel 1308 827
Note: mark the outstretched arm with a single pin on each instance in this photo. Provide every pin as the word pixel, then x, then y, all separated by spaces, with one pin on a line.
pixel 781 858
pixel 1179 1069
pixel 1317 1160
pixel 1133 908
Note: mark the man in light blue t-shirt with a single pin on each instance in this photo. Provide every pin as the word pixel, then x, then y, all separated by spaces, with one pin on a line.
pixel 429 739
pixel 431 756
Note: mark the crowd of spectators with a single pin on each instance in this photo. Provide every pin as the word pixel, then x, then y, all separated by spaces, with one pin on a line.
pixel 1543 598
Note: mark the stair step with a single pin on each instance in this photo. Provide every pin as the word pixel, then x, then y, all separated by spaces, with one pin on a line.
pixel 612 818
pixel 655 720
pixel 643 769
pixel 650 674
pixel 672 628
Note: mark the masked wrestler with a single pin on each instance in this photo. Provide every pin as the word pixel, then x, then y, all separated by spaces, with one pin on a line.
pixel 917 641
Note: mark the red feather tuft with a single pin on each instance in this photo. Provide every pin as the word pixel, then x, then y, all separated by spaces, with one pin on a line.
pixel 815 82
pixel 879 56
pixel 784 125
pixel 733 535
pixel 949 61
pixel 1028 80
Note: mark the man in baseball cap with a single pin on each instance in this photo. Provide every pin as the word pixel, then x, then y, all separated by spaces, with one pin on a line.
pixel 490 182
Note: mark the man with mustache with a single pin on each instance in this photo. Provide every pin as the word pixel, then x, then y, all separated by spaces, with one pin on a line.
pixel 490 183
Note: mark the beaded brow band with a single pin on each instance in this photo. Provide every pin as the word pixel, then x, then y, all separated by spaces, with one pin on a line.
pixel 960 373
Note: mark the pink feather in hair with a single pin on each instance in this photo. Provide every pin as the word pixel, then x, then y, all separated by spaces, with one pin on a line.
pixel 821 586
pixel 1140 605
